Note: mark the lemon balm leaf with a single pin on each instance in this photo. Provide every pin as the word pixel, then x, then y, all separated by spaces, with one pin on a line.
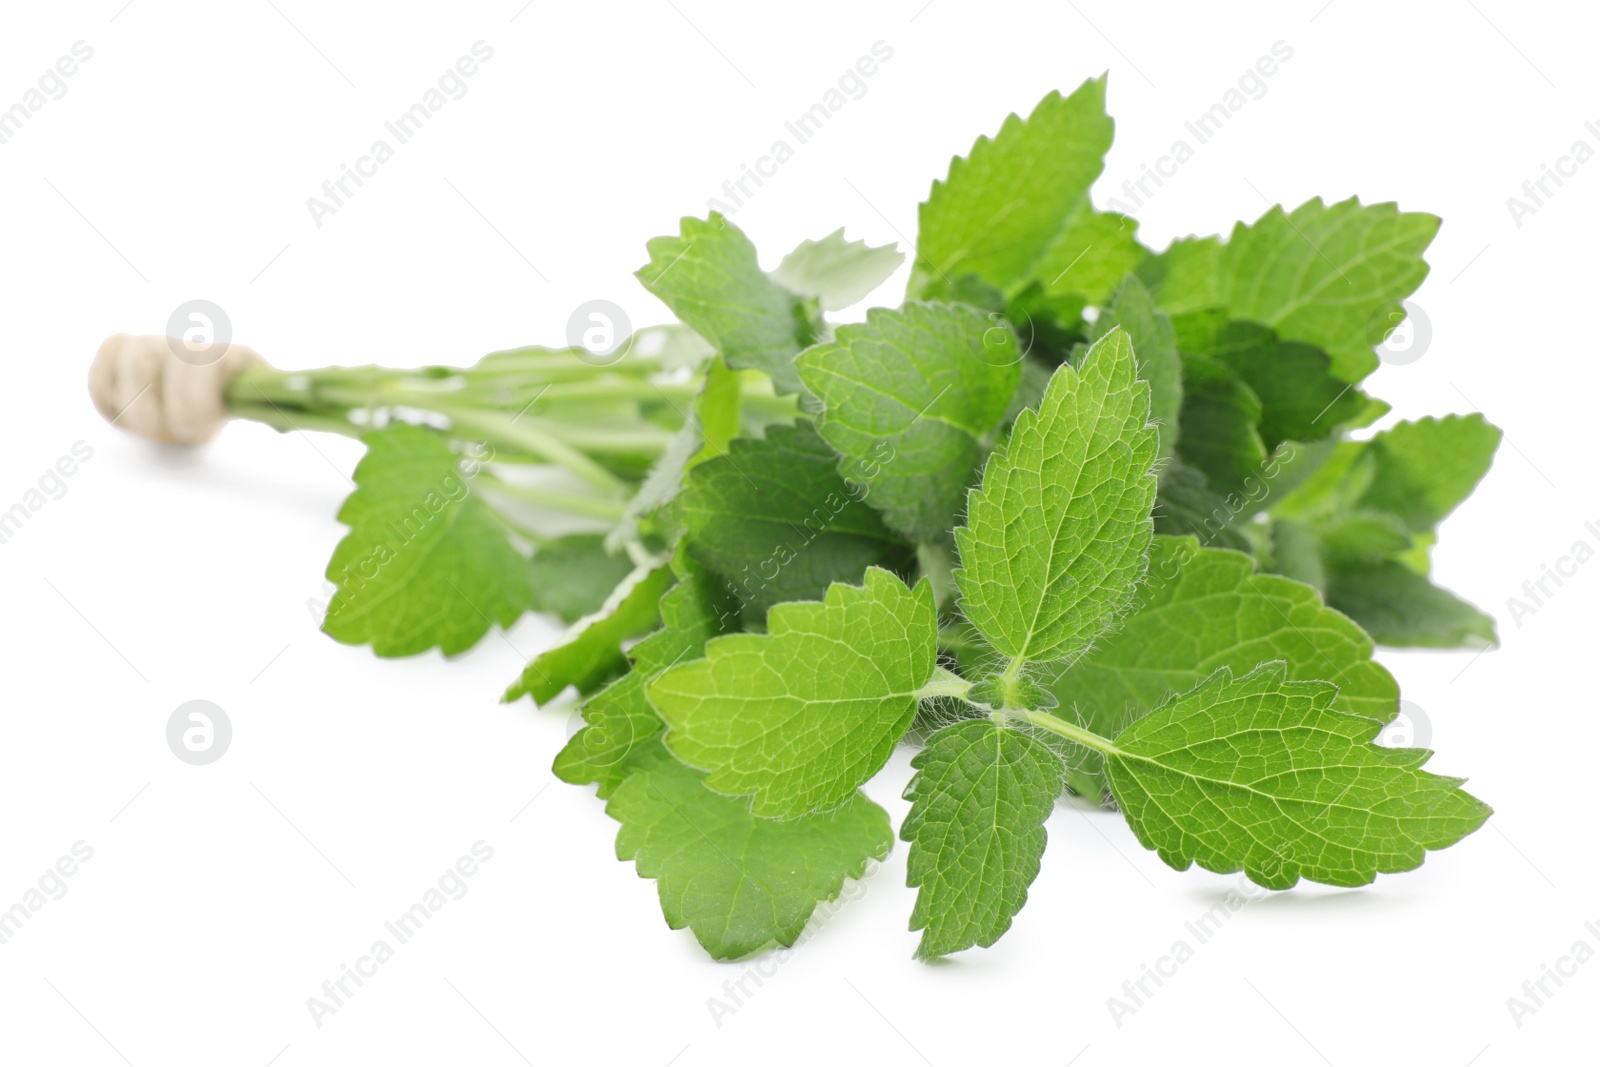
pixel 1301 400
pixel 572 575
pixel 1057 534
pixel 1423 470
pixel 619 722
pixel 1262 774
pixel 739 882
pixel 1015 208
pixel 799 717
pixel 909 400
pixel 1187 504
pixel 837 272
pixel 979 800
pixel 1206 608
pixel 1400 607
pixel 1331 275
pixel 590 653
pixel 1203 609
pixel 1155 347
pixel 775 519
pixel 1219 429
pixel 710 278
pixel 426 563
pixel 1091 253
pixel 1363 523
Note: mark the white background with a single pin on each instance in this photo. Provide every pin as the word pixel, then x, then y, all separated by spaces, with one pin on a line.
pixel 218 899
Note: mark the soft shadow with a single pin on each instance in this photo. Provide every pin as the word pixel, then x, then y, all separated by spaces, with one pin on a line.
pixel 1322 900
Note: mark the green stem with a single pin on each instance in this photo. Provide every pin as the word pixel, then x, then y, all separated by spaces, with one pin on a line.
pixel 564 387
pixel 945 683
pixel 290 419
pixel 571 503
pixel 600 439
pixel 1063 728
pixel 497 429
pixel 427 393
pixel 623 389
pixel 559 365
pixel 520 529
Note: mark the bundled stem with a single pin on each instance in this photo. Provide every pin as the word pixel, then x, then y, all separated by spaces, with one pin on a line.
pixel 603 423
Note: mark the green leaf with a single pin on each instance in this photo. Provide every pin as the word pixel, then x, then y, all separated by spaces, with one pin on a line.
pixel 1218 433
pixel 1203 609
pixel 1002 212
pixel 1400 607
pixel 1293 464
pixel 1364 537
pixel 1050 330
pixel 1156 348
pixel 1262 774
pixel 619 722
pixel 910 397
pixel 717 412
pixel 1297 553
pixel 710 278
pixel 1418 472
pixel 1056 535
pixel 590 653
pixel 838 273
pixel 1300 398
pixel 1332 486
pixel 1331 275
pixel 573 575
pixel 1422 470
pixel 712 423
pixel 739 882
pixel 675 345
pixel 979 800
pixel 1184 278
pixel 775 519
pixel 426 563
pixel 1371 509
pixel 799 717
pixel 998 691
pixel 661 485
pixel 1092 252
pixel 1187 506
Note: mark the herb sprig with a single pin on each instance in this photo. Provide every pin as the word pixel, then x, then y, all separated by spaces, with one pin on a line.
pixel 1077 516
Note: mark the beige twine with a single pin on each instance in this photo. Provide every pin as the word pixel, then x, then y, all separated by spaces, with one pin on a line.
pixel 140 385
